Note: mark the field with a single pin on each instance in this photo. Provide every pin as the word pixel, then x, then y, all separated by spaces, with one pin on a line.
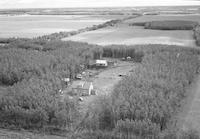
pixel 124 34
pixel 147 18
pixel 36 25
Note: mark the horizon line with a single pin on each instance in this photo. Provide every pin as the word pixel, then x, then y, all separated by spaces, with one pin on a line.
pixel 101 7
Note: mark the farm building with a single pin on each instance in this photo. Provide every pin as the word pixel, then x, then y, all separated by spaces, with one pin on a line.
pixel 83 88
pixel 101 63
pixel 66 81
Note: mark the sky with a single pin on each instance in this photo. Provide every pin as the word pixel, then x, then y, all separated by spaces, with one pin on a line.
pixel 91 3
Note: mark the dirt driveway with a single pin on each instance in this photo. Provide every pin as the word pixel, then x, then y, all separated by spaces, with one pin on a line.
pixel 105 81
pixel 189 118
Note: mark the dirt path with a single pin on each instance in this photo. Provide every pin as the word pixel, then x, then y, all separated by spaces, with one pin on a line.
pixel 191 113
pixel 189 118
pixel 105 81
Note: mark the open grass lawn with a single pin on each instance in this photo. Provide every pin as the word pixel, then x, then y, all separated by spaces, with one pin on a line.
pixel 124 34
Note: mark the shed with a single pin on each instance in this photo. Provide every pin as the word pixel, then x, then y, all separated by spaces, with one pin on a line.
pixel 101 63
pixel 83 88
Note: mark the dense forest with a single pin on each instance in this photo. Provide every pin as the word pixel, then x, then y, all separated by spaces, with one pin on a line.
pixel 32 72
pixel 171 25
pixel 167 25
pixel 144 104
pixel 141 105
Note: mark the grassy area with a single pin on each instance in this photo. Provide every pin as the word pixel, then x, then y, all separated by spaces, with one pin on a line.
pixel 134 35
pixel 172 25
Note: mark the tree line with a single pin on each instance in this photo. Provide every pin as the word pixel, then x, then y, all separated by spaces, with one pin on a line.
pixel 167 25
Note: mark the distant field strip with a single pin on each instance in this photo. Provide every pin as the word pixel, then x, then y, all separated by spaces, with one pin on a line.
pixel 124 34
pixel 36 25
pixel 147 18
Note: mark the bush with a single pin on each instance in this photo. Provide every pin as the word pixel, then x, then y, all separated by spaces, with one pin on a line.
pixel 96 135
pixel 141 129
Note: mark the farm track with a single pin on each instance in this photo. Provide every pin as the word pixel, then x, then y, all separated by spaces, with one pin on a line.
pixel 105 81
pixel 189 117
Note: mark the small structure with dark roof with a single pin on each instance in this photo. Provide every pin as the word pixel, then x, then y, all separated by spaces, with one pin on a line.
pixel 83 88
pixel 101 63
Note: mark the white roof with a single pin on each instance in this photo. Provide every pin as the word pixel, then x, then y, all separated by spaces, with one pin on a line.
pixel 101 61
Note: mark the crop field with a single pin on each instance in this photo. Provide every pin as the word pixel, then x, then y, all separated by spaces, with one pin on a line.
pixel 124 34
pixel 146 18
pixel 37 25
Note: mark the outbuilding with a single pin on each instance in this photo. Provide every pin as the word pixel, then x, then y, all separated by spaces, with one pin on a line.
pixel 101 63
pixel 83 89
